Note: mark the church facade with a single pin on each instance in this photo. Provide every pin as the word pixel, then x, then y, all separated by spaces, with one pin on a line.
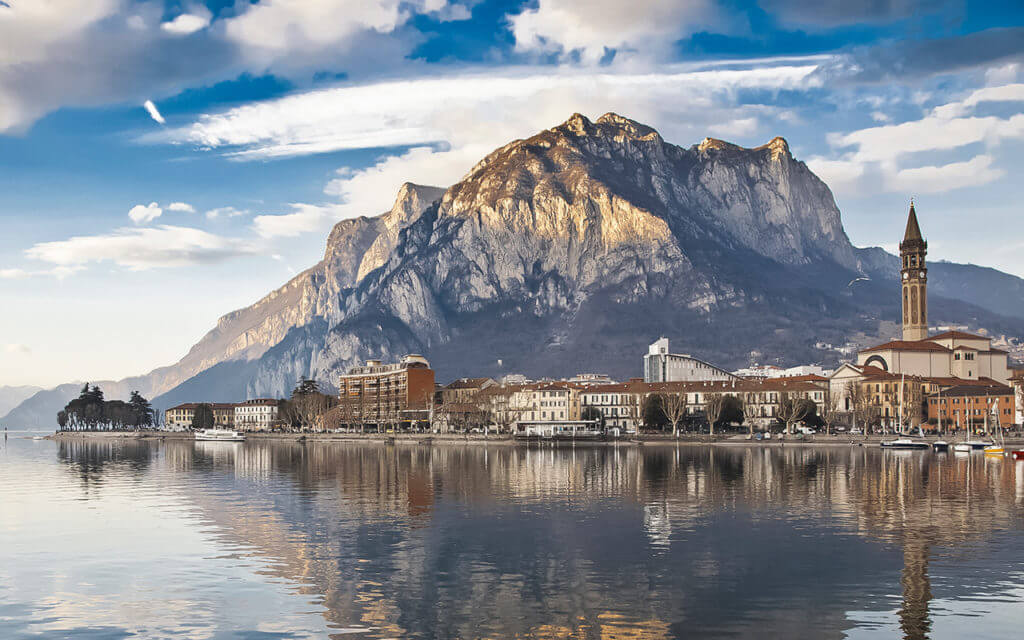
pixel 918 361
pixel 953 354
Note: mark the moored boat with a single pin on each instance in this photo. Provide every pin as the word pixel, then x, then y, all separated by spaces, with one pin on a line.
pixel 940 445
pixel 224 435
pixel 903 443
pixel 995 450
pixel 1018 454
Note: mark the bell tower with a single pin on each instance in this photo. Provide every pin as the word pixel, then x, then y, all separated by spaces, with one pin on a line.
pixel 914 279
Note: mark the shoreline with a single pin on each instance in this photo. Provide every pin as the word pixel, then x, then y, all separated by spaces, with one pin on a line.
pixel 504 440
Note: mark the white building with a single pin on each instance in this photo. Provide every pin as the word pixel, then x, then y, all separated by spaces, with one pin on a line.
pixel 662 366
pixel 771 371
pixel 258 414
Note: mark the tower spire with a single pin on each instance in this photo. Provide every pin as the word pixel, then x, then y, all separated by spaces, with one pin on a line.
pixel 914 276
pixel 913 231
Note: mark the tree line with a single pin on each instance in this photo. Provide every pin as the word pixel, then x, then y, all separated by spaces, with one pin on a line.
pixel 90 411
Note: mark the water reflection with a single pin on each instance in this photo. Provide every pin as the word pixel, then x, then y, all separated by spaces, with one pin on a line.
pixel 594 542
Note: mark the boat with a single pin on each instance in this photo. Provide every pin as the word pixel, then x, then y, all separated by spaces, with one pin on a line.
pixel 225 435
pixel 1018 454
pixel 971 445
pixel 940 445
pixel 995 450
pixel 903 443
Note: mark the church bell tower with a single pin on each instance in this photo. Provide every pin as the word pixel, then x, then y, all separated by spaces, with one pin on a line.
pixel 914 278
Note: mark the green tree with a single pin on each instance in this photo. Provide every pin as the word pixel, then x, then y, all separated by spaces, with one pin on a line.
pixel 654 415
pixel 203 417
pixel 141 410
pixel 593 413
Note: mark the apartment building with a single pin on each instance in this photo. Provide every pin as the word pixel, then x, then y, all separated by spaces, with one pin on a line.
pixel 974 407
pixel 396 395
pixel 258 414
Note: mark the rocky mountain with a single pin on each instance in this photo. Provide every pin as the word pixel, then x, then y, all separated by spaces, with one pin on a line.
pixel 571 250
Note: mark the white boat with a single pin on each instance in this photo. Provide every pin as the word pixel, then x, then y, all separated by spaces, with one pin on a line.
pixel 971 445
pixel 226 435
pixel 904 443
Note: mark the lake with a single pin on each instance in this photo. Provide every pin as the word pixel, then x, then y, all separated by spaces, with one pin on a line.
pixel 273 540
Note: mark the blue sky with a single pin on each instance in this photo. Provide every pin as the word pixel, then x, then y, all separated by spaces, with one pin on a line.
pixel 162 163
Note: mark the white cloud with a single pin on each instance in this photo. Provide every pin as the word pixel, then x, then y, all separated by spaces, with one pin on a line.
pixel 145 213
pixel 58 272
pixel 153 111
pixel 225 212
pixel 145 248
pixel 269 30
pixel 303 219
pixel 17 348
pixel 881 154
pixel 1004 93
pixel 181 206
pixel 589 29
pixel 932 179
pixel 483 108
pixel 187 23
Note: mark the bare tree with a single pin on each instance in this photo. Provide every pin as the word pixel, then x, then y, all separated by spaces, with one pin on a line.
pixel 913 399
pixel 792 409
pixel 751 411
pixel 830 411
pixel 673 405
pixel 860 403
pixel 504 409
pixel 714 406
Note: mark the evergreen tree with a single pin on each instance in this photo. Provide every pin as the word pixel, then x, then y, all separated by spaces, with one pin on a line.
pixel 203 417
pixel 142 411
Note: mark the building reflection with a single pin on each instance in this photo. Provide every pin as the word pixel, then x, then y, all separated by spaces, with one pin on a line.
pixel 585 542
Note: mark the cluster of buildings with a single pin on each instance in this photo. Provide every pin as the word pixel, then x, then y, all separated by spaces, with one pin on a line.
pixel 258 414
pixel 952 379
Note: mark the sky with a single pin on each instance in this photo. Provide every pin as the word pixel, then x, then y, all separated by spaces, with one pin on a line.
pixel 163 163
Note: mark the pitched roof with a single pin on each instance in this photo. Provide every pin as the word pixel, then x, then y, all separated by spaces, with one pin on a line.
pixel 213 405
pixel 913 231
pixel 977 390
pixel 957 335
pixel 908 345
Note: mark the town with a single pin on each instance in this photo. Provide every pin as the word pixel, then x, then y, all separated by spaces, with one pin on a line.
pixel 950 381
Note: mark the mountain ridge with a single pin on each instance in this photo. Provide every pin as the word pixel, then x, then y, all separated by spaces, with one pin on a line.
pixel 559 233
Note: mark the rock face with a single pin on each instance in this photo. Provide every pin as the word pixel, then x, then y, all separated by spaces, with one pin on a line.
pixel 572 250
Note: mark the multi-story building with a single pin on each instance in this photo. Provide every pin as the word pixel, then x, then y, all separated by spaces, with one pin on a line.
pixel 387 395
pixel 662 366
pixel 258 414
pixel 1017 382
pixel 180 416
pixel 461 405
pixel 974 407
pixel 548 408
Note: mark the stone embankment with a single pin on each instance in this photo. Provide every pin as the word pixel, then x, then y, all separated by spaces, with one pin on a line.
pixel 477 439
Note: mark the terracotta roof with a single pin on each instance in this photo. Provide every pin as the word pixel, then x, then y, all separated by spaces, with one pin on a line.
pixel 908 345
pixel 977 390
pixel 958 335
pixel 467 383
pixel 213 405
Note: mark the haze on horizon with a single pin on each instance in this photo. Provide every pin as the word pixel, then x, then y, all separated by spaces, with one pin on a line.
pixel 165 162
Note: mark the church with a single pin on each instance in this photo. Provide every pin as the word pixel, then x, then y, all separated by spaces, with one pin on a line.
pixel 918 362
pixel 952 354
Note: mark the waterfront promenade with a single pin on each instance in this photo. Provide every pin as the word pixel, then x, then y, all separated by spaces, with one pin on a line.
pixel 732 439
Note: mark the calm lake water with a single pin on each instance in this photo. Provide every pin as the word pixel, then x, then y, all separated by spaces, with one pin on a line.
pixel 282 540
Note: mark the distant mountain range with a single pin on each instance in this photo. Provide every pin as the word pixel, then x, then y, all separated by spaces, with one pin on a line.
pixel 571 251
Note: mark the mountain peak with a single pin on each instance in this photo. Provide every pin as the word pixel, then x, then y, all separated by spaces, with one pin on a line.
pixel 778 146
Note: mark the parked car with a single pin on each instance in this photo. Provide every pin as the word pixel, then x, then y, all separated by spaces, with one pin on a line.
pixel 856 432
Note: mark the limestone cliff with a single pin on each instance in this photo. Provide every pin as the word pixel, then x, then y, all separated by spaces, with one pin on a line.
pixel 571 250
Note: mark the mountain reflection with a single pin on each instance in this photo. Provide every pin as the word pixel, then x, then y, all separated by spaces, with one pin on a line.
pixel 590 542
